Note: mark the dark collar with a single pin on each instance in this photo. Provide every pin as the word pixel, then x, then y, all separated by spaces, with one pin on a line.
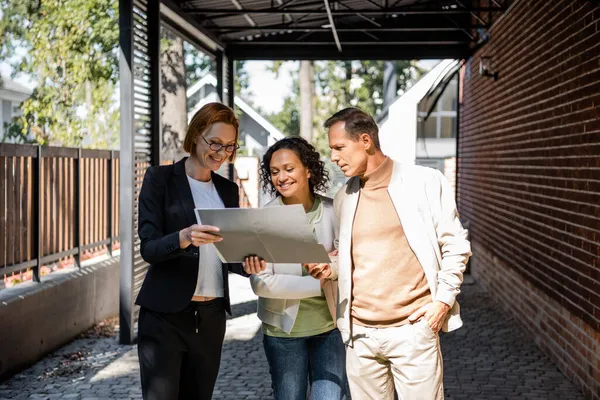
pixel 224 189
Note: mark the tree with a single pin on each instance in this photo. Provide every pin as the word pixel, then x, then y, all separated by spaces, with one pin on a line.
pixel 71 51
pixel 173 107
pixel 242 81
pixel 307 92
pixel 360 83
pixel 197 64
pixel 341 84
pixel 13 133
pixel 288 119
pixel 355 83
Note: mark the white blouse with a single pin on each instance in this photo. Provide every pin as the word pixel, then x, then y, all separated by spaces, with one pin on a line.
pixel 210 269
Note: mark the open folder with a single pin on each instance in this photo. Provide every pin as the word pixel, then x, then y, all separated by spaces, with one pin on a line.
pixel 277 234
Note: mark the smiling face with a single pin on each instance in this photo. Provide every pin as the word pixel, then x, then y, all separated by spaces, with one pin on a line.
pixel 350 155
pixel 219 133
pixel 289 176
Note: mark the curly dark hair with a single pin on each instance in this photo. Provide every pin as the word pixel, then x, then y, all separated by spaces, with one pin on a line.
pixel 308 155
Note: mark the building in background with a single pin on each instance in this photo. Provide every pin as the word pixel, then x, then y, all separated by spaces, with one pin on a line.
pixel 12 94
pixel 409 135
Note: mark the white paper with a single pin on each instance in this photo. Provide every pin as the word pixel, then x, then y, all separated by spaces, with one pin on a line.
pixel 277 234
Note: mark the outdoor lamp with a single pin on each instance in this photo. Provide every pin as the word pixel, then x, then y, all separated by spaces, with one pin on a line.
pixel 485 68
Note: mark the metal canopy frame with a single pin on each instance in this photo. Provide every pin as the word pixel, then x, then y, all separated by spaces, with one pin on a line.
pixel 345 29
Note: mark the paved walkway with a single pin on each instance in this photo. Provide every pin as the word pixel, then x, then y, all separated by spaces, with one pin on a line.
pixel 489 358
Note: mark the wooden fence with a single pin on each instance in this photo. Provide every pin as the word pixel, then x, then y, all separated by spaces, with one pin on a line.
pixel 56 204
pixel 59 205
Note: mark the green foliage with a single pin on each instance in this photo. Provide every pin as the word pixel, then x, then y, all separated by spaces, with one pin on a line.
pixel 288 119
pixel 71 50
pixel 242 79
pixel 13 133
pixel 340 84
pixel 197 63
pixel 358 83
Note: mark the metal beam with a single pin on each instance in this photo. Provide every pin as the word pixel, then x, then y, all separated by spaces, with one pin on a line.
pixel 286 16
pixel 371 11
pixel 474 15
pixel 248 18
pixel 465 31
pixel 231 82
pixel 335 35
pixel 457 157
pixel 189 28
pixel 364 17
pixel 221 64
pixel 389 43
pixel 373 3
pixel 126 176
pixel 230 101
pixel 240 29
pixel 153 20
pixel 360 15
pixel 277 51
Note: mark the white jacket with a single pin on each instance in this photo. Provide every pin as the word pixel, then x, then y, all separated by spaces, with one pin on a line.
pixel 425 205
pixel 280 287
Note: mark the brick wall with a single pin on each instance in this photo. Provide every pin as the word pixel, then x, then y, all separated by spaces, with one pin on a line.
pixel 529 176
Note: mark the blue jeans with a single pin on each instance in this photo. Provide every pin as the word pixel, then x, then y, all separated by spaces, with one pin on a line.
pixel 319 359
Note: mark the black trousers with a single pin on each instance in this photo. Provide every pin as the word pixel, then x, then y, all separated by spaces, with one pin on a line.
pixel 180 353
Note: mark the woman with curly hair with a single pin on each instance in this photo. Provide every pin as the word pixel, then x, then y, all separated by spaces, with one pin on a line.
pixel 301 341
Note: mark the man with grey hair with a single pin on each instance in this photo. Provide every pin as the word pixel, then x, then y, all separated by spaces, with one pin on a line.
pixel 402 254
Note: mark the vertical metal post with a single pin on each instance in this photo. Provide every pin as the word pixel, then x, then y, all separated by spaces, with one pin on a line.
pixel 37 201
pixel 230 74
pixel 466 224
pixel 221 65
pixel 77 207
pixel 109 203
pixel 153 20
pixel 459 84
pixel 389 83
pixel 126 171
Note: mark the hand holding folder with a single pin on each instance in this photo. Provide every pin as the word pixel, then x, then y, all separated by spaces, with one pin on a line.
pixel 277 234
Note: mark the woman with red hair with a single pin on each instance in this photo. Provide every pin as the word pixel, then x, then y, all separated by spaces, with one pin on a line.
pixel 185 293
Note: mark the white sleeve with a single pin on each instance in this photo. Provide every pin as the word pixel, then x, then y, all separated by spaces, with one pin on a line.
pixel 452 239
pixel 282 286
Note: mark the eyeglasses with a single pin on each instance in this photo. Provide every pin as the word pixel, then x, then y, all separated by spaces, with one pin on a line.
pixel 217 146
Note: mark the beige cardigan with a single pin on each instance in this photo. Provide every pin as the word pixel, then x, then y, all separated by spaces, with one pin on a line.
pixel 425 205
pixel 280 287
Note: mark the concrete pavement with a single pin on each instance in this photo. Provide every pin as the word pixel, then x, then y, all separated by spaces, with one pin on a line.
pixel 489 358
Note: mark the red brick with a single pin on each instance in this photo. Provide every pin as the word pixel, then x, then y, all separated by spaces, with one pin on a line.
pixel 529 153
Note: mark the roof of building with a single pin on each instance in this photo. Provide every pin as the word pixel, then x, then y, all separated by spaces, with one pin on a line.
pixel 13 86
pixel 427 84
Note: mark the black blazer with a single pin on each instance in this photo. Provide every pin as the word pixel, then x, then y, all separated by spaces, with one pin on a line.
pixel 166 206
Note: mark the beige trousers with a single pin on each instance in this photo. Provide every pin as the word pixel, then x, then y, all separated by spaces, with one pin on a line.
pixel 407 357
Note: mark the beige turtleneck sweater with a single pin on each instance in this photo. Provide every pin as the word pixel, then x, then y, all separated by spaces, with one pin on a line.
pixel 388 282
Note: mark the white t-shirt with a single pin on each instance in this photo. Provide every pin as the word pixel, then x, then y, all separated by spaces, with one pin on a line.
pixel 210 269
